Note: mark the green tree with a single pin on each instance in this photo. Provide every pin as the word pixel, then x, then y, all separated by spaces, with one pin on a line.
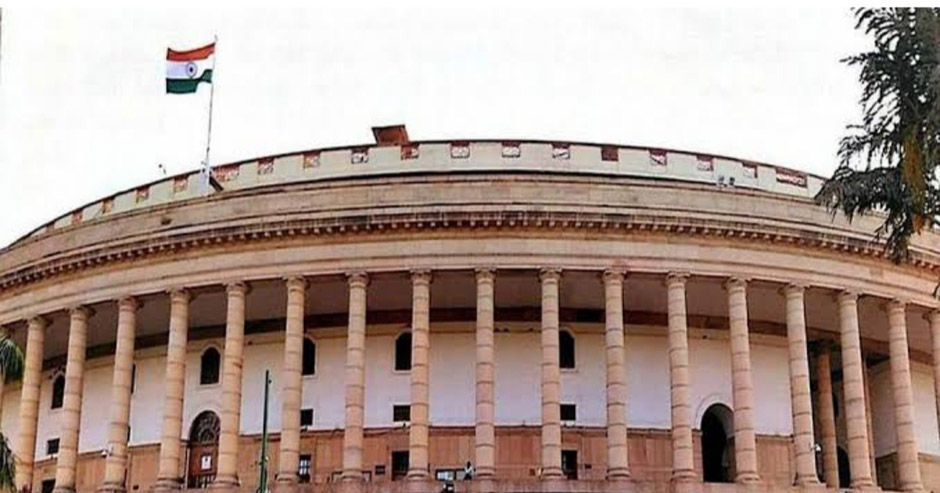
pixel 11 370
pixel 887 163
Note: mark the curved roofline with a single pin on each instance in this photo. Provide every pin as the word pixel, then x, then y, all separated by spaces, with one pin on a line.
pixel 35 230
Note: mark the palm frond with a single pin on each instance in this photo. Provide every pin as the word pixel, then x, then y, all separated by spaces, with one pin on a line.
pixel 7 465
pixel 11 359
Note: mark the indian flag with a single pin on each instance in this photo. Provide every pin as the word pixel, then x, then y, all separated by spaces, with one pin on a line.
pixel 186 69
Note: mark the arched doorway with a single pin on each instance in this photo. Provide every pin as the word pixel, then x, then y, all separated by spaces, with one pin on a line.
pixel 717 444
pixel 203 450
pixel 845 476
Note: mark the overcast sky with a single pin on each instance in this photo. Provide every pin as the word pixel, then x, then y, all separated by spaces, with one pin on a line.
pixel 83 112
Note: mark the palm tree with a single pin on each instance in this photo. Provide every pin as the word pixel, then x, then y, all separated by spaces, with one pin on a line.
pixel 888 162
pixel 11 370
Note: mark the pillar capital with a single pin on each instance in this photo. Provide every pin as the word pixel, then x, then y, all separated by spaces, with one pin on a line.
pixel 237 288
pixel 38 321
pixel 549 274
pixel 294 283
pixel 677 278
pixel 794 289
pixel 421 276
pixel 932 315
pixel 485 274
pixel 180 295
pixel 895 304
pixel 847 296
pixel 357 279
pixel 81 311
pixel 129 303
pixel 735 283
pixel 614 274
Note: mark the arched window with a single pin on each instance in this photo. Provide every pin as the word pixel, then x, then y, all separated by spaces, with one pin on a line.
pixel 58 391
pixel 566 349
pixel 403 352
pixel 209 367
pixel 310 357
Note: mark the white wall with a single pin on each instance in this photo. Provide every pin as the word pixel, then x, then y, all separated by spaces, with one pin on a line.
pixel 452 363
pixel 925 414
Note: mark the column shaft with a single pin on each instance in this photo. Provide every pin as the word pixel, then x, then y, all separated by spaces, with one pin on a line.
pixel 72 403
pixel 420 347
pixel 230 421
pixel 683 462
pixel 853 388
pixel 551 376
pixel 827 417
pixel 934 319
pixel 866 375
pixel 291 381
pixel 168 475
pixel 355 378
pixel 745 444
pixel 617 459
pixel 485 443
pixel 116 462
pixel 908 463
pixel 804 442
pixel 29 403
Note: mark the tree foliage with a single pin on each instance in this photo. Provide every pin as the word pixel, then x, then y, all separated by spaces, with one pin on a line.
pixel 887 163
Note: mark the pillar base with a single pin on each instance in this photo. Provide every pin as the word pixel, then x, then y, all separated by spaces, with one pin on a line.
pixel 286 483
pixel 685 483
pixel 421 484
pixel 812 487
pixel 63 489
pixel 351 485
pixel 167 485
pixel 225 485
pixel 111 488
pixel 482 485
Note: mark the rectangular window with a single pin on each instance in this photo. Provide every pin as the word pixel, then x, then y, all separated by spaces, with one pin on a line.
pixel 569 412
pixel 303 469
pixel 306 417
pixel 399 464
pixel 610 153
pixel 48 485
pixel 401 413
pixel 52 446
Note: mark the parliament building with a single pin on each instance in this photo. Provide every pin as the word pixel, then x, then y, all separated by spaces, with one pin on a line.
pixel 481 316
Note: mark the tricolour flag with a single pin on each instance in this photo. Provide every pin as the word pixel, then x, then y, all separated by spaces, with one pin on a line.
pixel 186 69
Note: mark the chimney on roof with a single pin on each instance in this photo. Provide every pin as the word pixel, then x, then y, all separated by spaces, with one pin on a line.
pixel 391 135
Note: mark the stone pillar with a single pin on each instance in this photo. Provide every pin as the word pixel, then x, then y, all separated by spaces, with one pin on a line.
pixel 934 319
pixel 551 376
pixel 72 403
pixel 116 462
pixel 908 464
pixel 168 475
pixel 230 420
pixel 804 443
pixel 485 436
pixel 29 403
pixel 291 381
pixel 745 444
pixel 355 378
pixel 866 374
pixel 854 390
pixel 420 347
pixel 617 459
pixel 827 417
pixel 683 462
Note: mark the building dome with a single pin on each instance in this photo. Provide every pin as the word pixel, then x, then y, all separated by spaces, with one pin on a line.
pixel 546 316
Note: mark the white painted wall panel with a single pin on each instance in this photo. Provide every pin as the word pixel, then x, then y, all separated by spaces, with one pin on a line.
pixel 453 379
pixel 770 367
pixel 325 392
pixel 9 420
pixel 709 376
pixel 261 354
pixel 96 408
pixel 647 369
pixel 925 409
pixel 199 398
pixel 147 400
pixel 925 417
pixel 518 378
pixel 385 387
pixel 47 426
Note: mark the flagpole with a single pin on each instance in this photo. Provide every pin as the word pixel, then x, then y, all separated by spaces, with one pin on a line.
pixel 207 168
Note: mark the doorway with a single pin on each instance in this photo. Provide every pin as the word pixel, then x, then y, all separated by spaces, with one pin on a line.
pixel 845 475
pixel 717 444
pixel 203 450
pixel 569 463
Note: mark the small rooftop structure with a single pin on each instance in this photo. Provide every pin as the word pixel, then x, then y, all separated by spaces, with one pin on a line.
pixel 391 135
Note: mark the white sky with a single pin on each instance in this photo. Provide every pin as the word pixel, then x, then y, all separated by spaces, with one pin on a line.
pixel 83 112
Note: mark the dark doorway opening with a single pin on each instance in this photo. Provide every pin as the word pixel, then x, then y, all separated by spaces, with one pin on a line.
pixel 569 463
pixel 845 476
pixel 717 445
pixel 399 464
pixel 203 450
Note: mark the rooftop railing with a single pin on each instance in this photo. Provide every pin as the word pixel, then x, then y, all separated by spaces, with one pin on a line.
pixel 452 156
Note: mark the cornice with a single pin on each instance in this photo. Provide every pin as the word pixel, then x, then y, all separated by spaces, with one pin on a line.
pixel 261 232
